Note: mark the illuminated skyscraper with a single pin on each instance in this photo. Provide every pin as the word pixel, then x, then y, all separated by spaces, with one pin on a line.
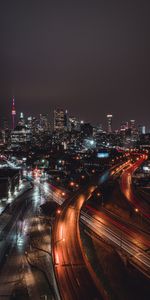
pixel 109 123
pixel 13 112
pixel 142 129
pixel 44 123
pixel 60 120
pixel 124 126
pixel 21 119
pixel 132 125
pixel 74 124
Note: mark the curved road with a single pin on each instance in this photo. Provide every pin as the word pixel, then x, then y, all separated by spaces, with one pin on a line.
pixel 73 277
pixel 132 242
pixel 127 190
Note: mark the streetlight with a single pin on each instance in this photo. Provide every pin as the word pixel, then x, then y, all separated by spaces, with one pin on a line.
pixel 140 214
pixel 58 211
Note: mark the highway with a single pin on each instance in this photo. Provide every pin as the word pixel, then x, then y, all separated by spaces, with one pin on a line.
pixel 127 189
pixel 134 243
pixel 73 278
pixel 131 239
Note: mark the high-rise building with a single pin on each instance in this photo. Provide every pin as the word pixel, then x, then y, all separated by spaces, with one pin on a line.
pixel 29 122
pixel 132 125
pixel 13 112
pixel 60 120
pixel 5 124
pixel 109 123
pixel 74 124
pixel 44 123
pixel 21 119
pixel 124 126
pixel 33 124
pixel 6 131
pixel 141 129
pixel 97 130
pixel 20 135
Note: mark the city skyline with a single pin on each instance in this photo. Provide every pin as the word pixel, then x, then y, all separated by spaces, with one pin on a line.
pixel 92 58
pixel 74 150
pixel 104 119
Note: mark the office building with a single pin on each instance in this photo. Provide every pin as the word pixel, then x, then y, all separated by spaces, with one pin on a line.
pixel 60 120
pixel 109 123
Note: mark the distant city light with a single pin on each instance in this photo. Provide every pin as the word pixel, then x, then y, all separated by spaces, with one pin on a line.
pixel 103 155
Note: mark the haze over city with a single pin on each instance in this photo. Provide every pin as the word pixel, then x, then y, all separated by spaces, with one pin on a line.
pixel 92 54
pixel 74 150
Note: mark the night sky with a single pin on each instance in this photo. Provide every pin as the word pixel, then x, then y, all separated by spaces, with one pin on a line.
pixel 92 57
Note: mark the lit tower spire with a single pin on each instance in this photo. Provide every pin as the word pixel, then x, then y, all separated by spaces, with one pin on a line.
pixel 13 112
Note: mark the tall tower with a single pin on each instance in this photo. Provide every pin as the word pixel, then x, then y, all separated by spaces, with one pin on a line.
pixel 60 120
pixel 13 113
pixel 109 123
pixel 21 119
pixel 132 125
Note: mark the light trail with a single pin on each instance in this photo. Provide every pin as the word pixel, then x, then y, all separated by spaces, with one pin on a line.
pixel 102 229
pixel 127 189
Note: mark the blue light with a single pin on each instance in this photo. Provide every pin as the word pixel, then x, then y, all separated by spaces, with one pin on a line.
pixel 103 155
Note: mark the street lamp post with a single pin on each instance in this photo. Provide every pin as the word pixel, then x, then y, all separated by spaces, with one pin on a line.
pixel 140 215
